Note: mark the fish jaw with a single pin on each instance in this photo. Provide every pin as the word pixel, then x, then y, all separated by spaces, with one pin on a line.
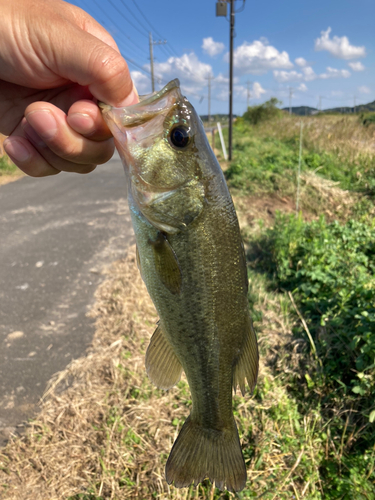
pixel 130 126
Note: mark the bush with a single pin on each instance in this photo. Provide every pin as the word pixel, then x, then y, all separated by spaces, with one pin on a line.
pixel 263 112
pixel 367 118
pixel 330 269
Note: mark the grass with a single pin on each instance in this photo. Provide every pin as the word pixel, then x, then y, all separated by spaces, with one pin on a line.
pixel 327 270
pixel 105 432
pixel 8 171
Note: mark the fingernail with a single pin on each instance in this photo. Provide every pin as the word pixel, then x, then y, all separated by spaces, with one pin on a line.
pixel 32 135
pixel 16 150
pixel 131 99
pixel 43 122
pixel 81 123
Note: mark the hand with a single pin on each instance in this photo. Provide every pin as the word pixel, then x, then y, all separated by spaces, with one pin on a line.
pixel 55 62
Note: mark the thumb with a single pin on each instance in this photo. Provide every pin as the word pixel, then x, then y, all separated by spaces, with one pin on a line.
pixel 87 60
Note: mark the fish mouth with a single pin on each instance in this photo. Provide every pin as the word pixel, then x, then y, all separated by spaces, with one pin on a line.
pixel 148 107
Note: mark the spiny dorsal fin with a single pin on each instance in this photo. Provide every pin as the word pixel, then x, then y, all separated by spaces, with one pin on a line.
pixel 162 365
pixel 248 362
pixel 166 264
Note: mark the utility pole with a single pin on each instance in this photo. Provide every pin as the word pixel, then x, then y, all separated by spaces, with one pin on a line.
pixel 152 63
pixel 320 103
pixel 209 78
pixel 221 10
pixel 248 93
pixel 290 99
pixel 354 110
pixel 152 43
pixel 231 80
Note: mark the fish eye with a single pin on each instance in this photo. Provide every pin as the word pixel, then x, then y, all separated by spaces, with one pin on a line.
pixel 180 136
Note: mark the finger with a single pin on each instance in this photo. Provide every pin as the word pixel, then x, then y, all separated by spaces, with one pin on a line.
pixel 50 157
pixel 50 126
pixel 96 65
pixel 27 158
pixel 85 118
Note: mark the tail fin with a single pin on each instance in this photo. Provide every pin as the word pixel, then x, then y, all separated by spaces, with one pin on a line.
pixel 200 453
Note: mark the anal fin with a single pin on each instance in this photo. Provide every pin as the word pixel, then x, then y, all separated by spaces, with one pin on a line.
pixel 162 365
pixel 248 363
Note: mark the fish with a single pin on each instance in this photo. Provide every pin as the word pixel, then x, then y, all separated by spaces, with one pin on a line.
pixel 192 260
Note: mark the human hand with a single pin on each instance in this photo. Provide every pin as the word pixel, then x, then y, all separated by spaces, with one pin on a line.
pixel 55 62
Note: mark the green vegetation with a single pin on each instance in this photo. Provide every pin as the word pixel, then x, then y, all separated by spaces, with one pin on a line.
pixel 322 275
pixel 7 167
pixel 367 118
pixel 330 271
pixel 263 112
pixel 268 163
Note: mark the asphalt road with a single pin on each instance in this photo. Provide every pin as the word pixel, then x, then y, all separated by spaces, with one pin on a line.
pixel 57 235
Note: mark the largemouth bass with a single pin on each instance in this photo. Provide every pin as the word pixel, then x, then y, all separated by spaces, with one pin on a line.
pixel 191 257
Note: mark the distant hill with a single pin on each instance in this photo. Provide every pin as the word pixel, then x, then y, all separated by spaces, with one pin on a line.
pixel 302 110
pixel 359 109
pixel 306 110
pixel 217 117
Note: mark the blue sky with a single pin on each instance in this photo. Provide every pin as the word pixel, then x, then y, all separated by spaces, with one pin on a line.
pixel 322 50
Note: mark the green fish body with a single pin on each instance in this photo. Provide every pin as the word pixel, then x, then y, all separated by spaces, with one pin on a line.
pixel 191 257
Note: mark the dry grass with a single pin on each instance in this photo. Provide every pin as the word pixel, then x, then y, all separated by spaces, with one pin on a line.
pixel 343 135
pixel 104 432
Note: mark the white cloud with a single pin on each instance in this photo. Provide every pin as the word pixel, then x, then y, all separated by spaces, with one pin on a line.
pixel 220 79
pixel 364 90
pixel 302 87
pixel 287 76
pixel 141 81
pixel 307 74
pixel 259 57
pixel 338 46
pixel 211 47
pixel 188 68
pixel 240 92
pixel 335 73
pixel 356 66
pixel 258 90
pixel 300 61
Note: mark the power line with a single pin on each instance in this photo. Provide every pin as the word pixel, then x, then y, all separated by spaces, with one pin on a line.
pixel 126 19
pixel 147 21
pixel 120 33
pixel 171 49
pixel 135 17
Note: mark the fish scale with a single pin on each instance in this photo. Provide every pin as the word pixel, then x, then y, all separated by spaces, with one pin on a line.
pixel 191 257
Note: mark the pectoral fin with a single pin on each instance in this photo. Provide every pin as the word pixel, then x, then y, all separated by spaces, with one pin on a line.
pixel 138 259
pixel 162 365
pixel 248 362
pixel 166 264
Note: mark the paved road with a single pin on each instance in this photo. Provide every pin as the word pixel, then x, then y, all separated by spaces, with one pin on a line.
pixel 57 234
